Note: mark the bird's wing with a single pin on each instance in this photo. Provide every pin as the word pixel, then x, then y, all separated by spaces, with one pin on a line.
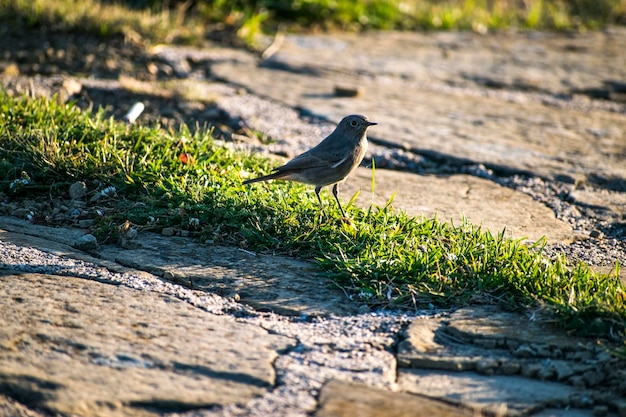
pixel 308 161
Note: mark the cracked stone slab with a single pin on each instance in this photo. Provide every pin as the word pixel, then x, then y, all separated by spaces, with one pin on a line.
pixel 511 60
pixel 451 198
pixel 510 329
pixel 268 283
pixel 492 341
pixel 426 347
pixel 444 112
pixel 499 395
pixel 348 399
pixel 75 346
pixel 505 362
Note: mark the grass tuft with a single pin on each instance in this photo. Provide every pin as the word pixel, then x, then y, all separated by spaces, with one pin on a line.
pixel 382 257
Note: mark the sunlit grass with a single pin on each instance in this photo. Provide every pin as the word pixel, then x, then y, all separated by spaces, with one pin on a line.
pixel 104 19
pixel 243 20
pixel 382 257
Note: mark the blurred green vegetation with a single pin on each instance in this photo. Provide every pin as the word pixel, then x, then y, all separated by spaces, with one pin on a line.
pixel 192 21
pixel 424 14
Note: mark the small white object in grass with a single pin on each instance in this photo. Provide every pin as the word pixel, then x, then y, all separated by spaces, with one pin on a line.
pixel 108 191
pixel 248 252
pixel 363 295
pixel 18 182
pixel 134 112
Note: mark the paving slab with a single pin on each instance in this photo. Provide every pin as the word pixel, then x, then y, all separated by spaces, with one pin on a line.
pixel 506 363
pixel 452 198
pixel 428 93
pixel 493 341
pixel 267 283
pixel 508 59
pixel 79 347
pixel 510 329
pixel 499 395
pixel 346 399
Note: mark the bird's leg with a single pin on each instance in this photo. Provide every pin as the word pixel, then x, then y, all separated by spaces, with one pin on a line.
pixel 317 193
pixel 337 198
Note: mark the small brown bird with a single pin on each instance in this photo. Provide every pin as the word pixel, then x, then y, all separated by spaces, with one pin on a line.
pixel 331 161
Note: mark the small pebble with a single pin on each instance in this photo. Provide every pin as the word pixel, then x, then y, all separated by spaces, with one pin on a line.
pixel 86 242
pixel 85 223
pixel 168 231
pixel 348 91
pixel 600 410
pixel 78 190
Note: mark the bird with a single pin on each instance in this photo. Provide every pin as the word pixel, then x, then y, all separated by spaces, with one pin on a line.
pixel 330 162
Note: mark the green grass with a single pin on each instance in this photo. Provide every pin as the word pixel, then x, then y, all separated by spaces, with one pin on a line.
pixel 382 257
pixel 191 22
pixel 104 19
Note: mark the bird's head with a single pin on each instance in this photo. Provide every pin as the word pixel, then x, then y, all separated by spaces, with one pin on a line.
pixel 355 124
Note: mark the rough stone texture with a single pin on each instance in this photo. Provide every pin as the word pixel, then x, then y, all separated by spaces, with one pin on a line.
pixel 75 346
pixel 352 347
pixel 508 329
pixel 514 60
pixel 424 348
pixel 86 242
pixel 359 348
pixel 439 357
pixel 343 399
pixel 488 340
pixel 267 283
pixel 499 395
pixel 557 139
pixel 11 408
pixel 451 198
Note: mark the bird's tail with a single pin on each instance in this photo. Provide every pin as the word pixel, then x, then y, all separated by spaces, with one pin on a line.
pixel 273 176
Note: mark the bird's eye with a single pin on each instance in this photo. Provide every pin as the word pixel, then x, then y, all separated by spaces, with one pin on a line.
pixel 353 123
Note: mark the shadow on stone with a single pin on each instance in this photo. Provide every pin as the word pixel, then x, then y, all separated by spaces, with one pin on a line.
pixel 27 389
pixel 222 375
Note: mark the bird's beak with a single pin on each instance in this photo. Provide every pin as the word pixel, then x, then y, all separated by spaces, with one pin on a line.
pixel 372 123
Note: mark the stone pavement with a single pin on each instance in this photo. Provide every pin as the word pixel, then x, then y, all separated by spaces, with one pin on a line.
pixel 425 91
pixel 97 335
pixel 505 130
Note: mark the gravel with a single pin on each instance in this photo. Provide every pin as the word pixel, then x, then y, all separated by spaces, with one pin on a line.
pixel 354 348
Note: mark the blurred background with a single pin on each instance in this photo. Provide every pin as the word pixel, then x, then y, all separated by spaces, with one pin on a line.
pixel 239 21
